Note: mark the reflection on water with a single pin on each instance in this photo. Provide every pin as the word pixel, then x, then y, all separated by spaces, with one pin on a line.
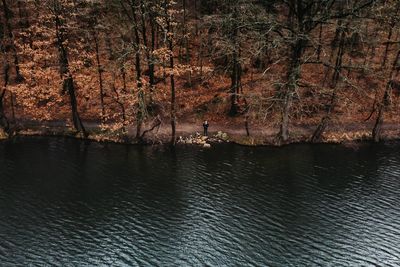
pixel 67 202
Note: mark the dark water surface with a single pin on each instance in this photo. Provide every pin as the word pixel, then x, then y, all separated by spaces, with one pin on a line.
pixel 67 203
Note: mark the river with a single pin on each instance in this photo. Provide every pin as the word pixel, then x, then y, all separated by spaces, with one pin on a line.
pixel 65 202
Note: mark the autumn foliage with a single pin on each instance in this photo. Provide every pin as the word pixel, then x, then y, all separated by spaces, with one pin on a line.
pixel 274 64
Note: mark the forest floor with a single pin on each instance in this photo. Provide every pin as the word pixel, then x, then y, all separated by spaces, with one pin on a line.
pixel 259 135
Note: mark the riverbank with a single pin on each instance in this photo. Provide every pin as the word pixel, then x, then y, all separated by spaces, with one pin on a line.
pixel 189 134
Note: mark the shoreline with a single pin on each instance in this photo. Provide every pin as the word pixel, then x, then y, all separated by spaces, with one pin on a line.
pixel 189 134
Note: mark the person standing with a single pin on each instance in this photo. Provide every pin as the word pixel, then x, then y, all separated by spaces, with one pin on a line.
pixel 205 127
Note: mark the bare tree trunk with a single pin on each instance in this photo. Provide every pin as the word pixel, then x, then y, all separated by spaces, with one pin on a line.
pixel 377 130
pixel 335 42
pixel 200 58
pixel 290 88
pixel 151 64
pixel 385 103
pixel 236 73
pixel 117 100
pixel 7 16
pixel 172 78
pixel 235 85
pixel 100 74
pixel 141 105
pixel 335 77
pixel 149 49
pixel 12 104
pixel 173 99
pixel 371 46
pixel 3 119
pixel 109 47
pixel 283 135
pixel 4 124
pixel 186 43
pixel 389 38
pixel 319 49
pixel 68 82
pixel 123 74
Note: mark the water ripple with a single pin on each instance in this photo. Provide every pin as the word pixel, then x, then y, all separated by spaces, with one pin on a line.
pixel 65 202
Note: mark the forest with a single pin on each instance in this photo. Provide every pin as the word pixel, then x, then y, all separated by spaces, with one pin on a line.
pixel 129 66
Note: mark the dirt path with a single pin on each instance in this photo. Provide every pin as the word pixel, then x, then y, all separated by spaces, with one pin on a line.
pixel 190 128
pixel 258 135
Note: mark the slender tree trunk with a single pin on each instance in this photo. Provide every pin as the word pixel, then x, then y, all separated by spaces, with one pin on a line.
pixel 283 135
pixel 4 124
pixel 6 68
pixel 149 49
pixel 385 103
pixel 68 80
pixel 377 130
pixel 246 125
pixel 120 103
pixel 152 81
pixel 196 12
pixel 12 104
pixel 389 38
pixel 186 43
pixel 292 76
pixel 69 85
pixel 371 46
pixel 335 77
pixel 141 105
pixel 170 41
pixel 123 75
pixel 319 48
pixel 109 47
pixel 236 68
pixel 235 85
pixel 7 16
pixel 200 58
pixel 100 74
pixel 23 22
pixel 173 98
pixel 335 42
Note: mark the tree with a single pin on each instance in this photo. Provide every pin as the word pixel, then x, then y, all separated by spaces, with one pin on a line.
pixel 385 102
pixel 288 61
pixel 11 43
pixel 167 23
pixel 59 9
pixel 4 124
pixel 3 119
pixel 131 9
pixel 303 16
pixel 232 29
pixel 48 70
pixel 337 68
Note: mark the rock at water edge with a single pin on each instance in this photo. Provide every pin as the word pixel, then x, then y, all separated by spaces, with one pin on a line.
pixel 3 135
